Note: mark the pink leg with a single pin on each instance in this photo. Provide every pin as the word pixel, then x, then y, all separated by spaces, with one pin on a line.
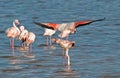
pixel 12 43
pixel 50 41
pixel 47 41
pixel 64 57
pixel 68 57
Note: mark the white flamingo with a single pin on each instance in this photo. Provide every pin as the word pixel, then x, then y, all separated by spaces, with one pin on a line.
pixel 49 32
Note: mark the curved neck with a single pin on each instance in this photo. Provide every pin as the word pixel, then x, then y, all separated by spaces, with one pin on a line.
pixel 14 24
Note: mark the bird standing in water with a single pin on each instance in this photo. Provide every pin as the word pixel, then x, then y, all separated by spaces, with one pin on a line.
pixel 66 45
pixel 23 35
pixel 13 32
pixel 27 38
pixel 30 39
pixel 49 32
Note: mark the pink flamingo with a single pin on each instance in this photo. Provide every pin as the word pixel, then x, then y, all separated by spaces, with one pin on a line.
pixel 23 35
pixel 13 32
pixel 66 28
pixel 66 45
pixel 30 39
pixel 49 32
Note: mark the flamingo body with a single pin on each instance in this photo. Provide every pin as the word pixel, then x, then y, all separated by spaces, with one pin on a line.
pixel 23 35
pixel 30 38
pixel 63 43
pixel 64 33
pixel 49 32
pixel 12 32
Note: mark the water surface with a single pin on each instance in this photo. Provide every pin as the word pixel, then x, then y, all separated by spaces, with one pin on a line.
pixel 96 52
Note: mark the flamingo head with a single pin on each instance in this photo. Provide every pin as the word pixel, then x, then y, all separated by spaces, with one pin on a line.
pixel 72 43
pixel 16 21
pixel 22 28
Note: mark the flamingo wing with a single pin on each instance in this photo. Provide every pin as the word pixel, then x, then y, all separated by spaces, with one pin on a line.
pixel 86 22
pixel 52 26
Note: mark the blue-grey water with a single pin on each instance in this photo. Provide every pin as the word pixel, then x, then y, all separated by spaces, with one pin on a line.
pixel 96 53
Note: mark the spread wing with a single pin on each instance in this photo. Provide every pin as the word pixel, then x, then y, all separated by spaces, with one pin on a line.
pixel 52 26
pixel 86 22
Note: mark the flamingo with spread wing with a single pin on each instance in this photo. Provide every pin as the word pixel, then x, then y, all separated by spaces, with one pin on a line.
pixel 66 28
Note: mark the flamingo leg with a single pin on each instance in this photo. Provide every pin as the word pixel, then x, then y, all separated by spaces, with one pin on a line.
pixel 12 43
pixel 63 54
pixel 47 41
pixel 68 58
pixel 50 40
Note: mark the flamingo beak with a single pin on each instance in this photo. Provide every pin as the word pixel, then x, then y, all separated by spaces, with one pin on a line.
pixel 73 43
pixel 17 22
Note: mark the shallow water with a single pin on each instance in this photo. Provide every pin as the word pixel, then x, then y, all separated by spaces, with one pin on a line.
pixel 96 52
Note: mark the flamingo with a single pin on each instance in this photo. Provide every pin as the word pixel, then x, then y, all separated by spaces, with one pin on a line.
pixel 49 32
pixel 13 32
pixel 66 45
pixel 66 28
pixel 30 39
pixel 23 35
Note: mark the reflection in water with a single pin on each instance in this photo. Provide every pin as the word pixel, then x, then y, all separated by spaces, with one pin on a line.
pixel 25 54
pixel 50 47
pixel 66 72
pixel 111 75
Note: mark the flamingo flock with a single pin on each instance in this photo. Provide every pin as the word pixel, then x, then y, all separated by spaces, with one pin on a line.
pixel 27 38
pixel 19 32
pixel 66 29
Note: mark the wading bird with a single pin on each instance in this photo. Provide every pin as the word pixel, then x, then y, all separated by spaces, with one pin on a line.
pixel 49 32
pixel 66 45
pixel 13 32
pixel 66 28
pixel 23 35
pixel 30 39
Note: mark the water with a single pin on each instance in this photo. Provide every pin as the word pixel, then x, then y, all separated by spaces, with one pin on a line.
pixel 96 52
